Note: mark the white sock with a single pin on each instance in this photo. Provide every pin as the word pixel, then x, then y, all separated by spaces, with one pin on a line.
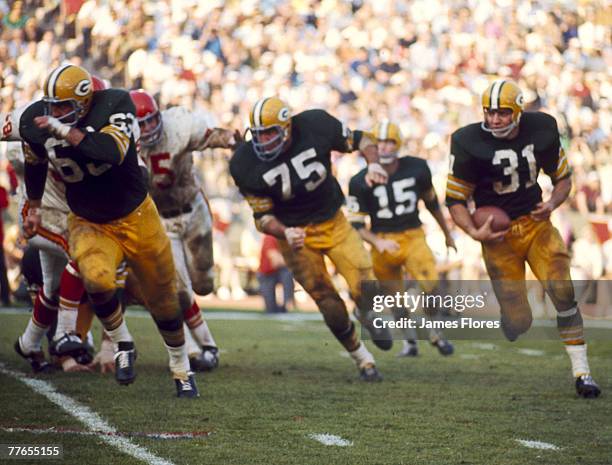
pixel 193 349
pixel 120 334
pixel 32 337
pixel 362 356
pixel 202 335
pixel 89 339
pixel 179 361
pixel 578 357
pixel 66 321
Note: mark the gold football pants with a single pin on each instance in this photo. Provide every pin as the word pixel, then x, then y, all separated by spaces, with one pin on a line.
pixel 539 244
pixel 337 239
pixel 141 240
pixel 413 256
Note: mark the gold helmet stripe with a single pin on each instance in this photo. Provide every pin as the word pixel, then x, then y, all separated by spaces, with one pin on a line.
pixel 384 130
pixel 53 79
pixel 496 93
pixel 257 110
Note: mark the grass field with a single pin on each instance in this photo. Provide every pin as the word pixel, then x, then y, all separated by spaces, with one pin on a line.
pixel 282 381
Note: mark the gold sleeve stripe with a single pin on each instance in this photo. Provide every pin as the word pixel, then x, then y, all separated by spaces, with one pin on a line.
pixel 455 194
pixel 122 140
pixel 356 218
pixel 260 204
pixel 562 169
pixel 466 190
pixel 29 155
pixel 461 182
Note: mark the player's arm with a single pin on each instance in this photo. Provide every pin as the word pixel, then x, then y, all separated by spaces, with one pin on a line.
pixel 460 186
pixel 35 176
pixel 267 223
pixel 35 172
pixel 344 140
pixel 110 144
pixel 432 204
pixel 560 193
pixel 556 166
pixel 205 134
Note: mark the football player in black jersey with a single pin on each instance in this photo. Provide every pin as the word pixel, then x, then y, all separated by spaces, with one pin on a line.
pixel 497 162
pixel 285 174
pixel 91 141
pixel 395 233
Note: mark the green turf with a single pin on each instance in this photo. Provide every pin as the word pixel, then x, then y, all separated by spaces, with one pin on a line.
pixel 281 381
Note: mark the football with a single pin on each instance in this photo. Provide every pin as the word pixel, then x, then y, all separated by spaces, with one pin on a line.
pixel 501 220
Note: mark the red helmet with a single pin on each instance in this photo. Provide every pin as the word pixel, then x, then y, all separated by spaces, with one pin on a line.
pixel 149 117
pixel 98 83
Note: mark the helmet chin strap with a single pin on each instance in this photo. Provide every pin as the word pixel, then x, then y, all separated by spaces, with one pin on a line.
pixel 499 133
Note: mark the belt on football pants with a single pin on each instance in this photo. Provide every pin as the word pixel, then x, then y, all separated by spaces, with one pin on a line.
pixel 187 208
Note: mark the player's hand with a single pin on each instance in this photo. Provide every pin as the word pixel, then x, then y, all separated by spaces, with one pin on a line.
pixel 542 211
pixel 70 365
pixel 376 175
pixel 105 359
pixel 31 223
pixel 238 139
pixel 55 127
pixel 295 237
pixel 386 245
pixel 486 234
pixel 450 243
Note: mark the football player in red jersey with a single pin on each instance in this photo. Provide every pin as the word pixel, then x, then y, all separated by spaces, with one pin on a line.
pixel 497 162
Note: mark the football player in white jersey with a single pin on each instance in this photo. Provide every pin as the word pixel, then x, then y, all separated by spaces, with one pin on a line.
pixel 167 142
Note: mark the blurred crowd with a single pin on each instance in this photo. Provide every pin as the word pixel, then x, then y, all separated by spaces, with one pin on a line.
pixel 421 63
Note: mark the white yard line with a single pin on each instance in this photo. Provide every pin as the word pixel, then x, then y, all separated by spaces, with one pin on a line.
pixel 531 352
pixel 537 444
pixel 80 432
pixel 330 439
pixel 93 421
pixel 484 346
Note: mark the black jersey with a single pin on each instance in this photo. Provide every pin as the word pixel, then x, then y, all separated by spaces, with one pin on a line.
pixel 392 207
pixel 298 186
pixel 503 172
pixel 102 177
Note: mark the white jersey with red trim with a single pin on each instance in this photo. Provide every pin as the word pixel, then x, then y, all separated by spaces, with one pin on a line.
pixel 172 180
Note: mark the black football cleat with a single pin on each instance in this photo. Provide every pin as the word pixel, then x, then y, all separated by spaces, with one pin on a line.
pixel 36 359
pixel 587 387
pixel 370 374
pixel 208 360
pixel 444 347
pixel 124 363
pixel 67 345
pixel 381 337
pixel 186 388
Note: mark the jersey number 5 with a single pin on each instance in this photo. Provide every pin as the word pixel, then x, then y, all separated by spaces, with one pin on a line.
pixel 303 170
pixel 511 169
